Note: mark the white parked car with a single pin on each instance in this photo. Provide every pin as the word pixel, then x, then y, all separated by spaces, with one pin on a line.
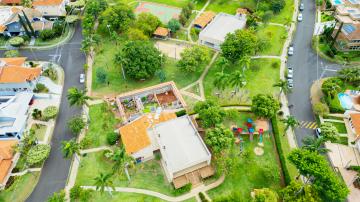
pixel 82 78
pixel 291 50
pixel 318 132
pixel 301 7
pixel 300 17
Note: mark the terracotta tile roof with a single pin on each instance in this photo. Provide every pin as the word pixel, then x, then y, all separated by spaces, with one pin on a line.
pixel 16 74
pixel 355 119
pixel 11 1
pixel 46 2
pixel 204 19
pixel 161 31
pixel 2 28
pixel 18 61
pixel 6 155
pixel 134 135
pixel 241 11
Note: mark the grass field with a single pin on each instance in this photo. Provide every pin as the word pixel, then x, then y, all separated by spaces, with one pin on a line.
pixel 229 6
pixel 148 175
pixel 40 131
pixel 21 188
pixel 123 197
pixel 276 36
pixel 259 77
pixel 285 16
pixel 102 122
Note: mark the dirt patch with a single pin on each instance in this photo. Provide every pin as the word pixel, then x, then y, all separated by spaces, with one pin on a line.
pixel 171 49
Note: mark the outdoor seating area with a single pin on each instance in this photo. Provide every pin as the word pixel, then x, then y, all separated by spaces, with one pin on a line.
pixel 134 104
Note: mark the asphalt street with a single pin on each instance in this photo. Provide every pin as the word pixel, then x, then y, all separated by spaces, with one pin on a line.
pixel 55 171
pixel 304 62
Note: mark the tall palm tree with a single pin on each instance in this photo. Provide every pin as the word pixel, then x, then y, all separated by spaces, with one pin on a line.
pixel 102 181
pixel 290 122
pixel 220 81
pixel 69 148
pixel 351 75
pixel 121 162
pixel 284 87
pixel 315 145
pixel 237 80
pixel 77 97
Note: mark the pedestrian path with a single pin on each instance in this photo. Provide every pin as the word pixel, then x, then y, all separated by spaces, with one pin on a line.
pixel 308 124
pixel 334 120
pixel 26 171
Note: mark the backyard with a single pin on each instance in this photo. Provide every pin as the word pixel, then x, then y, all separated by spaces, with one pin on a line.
pixel 276 36
pixel 21 188
pixel 260 77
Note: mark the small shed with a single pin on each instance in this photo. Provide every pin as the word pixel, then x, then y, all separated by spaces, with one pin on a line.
pixel 161 33
pixel 204 19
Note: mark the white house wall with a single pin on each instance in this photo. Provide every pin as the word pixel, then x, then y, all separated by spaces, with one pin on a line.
pixel 146 154
pixel 12 88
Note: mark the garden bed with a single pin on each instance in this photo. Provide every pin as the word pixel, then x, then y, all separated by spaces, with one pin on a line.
pixel 40 131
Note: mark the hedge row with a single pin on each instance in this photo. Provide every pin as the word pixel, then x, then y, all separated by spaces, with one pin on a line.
pixel 282 157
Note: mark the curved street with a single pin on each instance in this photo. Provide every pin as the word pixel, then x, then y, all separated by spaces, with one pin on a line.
pixel 55 171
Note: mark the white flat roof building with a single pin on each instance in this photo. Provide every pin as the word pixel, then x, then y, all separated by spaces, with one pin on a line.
pixel 182 149
pixel 214 33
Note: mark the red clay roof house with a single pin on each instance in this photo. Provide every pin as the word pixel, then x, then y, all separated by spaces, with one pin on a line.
pixel 6 157
pixel 204 19
pixel 355 119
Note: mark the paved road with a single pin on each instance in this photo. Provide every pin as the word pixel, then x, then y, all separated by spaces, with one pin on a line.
pixel 304 62
pixel 56 168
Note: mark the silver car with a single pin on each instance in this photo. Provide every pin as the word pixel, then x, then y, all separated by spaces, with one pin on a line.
pixel 300 17
pixel 82 78
pixel 301 7
pixel 291 50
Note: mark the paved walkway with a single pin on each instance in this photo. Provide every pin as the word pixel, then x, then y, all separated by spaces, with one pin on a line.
pixel 92 150
pixel 26 171
pixel 334 120
pixel 193 193
pixel 267 56
pixel 192 22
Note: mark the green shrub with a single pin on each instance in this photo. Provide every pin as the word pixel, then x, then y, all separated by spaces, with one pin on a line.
pixel 11 53
pixel 47 34
pixel 37 154
pixel 51 73
pixel 57 197
pixel 282 158
pixel 202 197
pixel 180 113
pixel 16 41
pixel 76 124
pixel 112 138
pixel 79 194
pixel 86 142
pixel 321 109
pixel 50 113
pixel 334 105
pixel 101 75
pixel 40 88
pixel 183 189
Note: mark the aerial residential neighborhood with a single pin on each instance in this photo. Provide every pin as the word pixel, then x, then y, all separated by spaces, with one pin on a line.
pixel 179 100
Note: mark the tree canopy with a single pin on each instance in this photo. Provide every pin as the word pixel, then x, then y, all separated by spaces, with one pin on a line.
pixel 219 138
pixel 134 34
pixel 140 59
pixel 264 106
pixel 148 23
pixel 210 113
pixel 239 44
pixel 37 154
pixel 174 25
pixel 193 57
pixel 117 17
pixel 265 195
pixel 295 192
pixel 76 124
pixel 329 131
pixel 350 75
pixel 331 87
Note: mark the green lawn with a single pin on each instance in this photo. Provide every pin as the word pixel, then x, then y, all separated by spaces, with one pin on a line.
pixel 148 175
pixel 285 16
pixel 40 131
pixel 123 197
pixel 343 140
pixel 117 84
pixel 229 6
pixel 339 126
pixel 179 3
pixel 276 36
pixel 260 77
pixel 39 42
pixel 102 122
pixel 250 171
pixel 21 188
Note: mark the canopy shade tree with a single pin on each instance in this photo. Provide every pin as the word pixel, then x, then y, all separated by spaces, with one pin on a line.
pixel 116 18
pixel 239 44
pixel 134 34
pixel 148 23
pixel 331 87
pixel 219 138
pixel 192 58
pixel 297 192
pixel 329 131
pixel 140 59
pixel 315 167
pixel 174 25
pixel 76 124
pixel 264 106
pixel 210 113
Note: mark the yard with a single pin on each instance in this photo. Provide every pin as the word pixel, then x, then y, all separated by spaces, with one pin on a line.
pixel 250 171
pixel 285 16
pixel 39 130
pixel 229 6
pixel 117 84
pixel 260 77
pixel 123 197
pixel 148 175
pixel 276 35
pixel 21 188
pixel 102 122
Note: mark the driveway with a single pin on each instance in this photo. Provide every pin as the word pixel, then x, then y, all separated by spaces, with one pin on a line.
pixel 55 171
pixel 304 61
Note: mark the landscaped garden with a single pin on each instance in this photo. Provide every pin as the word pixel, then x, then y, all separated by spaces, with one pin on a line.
pixel 20 188
pixel 39 130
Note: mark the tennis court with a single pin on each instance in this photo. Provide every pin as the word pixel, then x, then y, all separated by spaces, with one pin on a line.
pixel 164 12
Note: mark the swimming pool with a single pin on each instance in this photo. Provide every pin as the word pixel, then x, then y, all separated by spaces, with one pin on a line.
pixel 337 2
pixel 345 100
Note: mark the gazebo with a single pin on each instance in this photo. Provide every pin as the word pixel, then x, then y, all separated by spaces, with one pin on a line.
pixel 161 33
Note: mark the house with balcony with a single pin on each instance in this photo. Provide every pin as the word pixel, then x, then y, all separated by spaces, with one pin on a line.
pixel 51 8
pixel 16 76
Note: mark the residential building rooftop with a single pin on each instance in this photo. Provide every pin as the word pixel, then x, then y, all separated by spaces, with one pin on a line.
pixel 16 74
pixel 161 31
pixel 204 19
pixel 6 155
pixel 46 2
pixel 18 61
pixel 355 117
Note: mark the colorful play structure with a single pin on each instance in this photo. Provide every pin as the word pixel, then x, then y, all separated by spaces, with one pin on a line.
pixel 249 130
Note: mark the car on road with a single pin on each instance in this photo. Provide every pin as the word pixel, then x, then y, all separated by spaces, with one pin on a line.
pixel 301 7
pixel 290 83
pixel 300 17
pixel 318 132
pixel 290 74
pixel 82 78
pixel 291 50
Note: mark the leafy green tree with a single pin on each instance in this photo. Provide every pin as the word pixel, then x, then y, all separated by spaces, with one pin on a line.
pixel 321 109
pixel 69 148
pixel 148 23
pixel 266 17
pixel 265 195
pixel 101 75
pixel 36 114
pixel 284 87
pixel 350 75
pixel 277 5
pixel 174 25
pixel 245 62
pixel 37 154
pixel 121 159
pixel 239 44
pixel 210 113
pixel 314 144
pixel 316 169
pixel 134 34
pixel 117 17
pixel 186 13
pixel 222 63
pixel 221 80
pixel 219 138
pixel 297 192
pixel 264 106
pixel 140 59
pixel 331 87
pixel 192 58
pixel 95 7
pixel 77 97
pixel 76 124
pixel 102 181
pixel 237 80
pixel 329 132
pixel 57 197
pixel 290 122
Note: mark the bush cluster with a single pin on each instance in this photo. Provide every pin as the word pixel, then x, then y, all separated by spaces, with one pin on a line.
pixel 40 88
pixel 16 41
pixel 37 154
pixel 50 113
pixel 51 73
pixel 112 138
pixel 56 31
